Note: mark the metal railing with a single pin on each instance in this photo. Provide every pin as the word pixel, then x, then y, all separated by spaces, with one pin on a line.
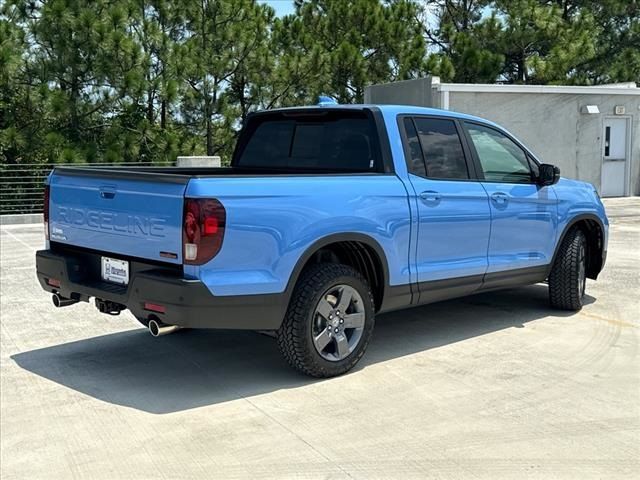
pixel 22 185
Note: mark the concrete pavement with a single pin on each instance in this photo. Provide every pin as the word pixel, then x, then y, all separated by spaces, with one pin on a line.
pixel 493 386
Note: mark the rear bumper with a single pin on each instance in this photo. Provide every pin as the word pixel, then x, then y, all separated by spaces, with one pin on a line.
pixel 188 303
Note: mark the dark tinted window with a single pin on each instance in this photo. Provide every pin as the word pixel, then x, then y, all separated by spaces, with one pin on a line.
pixel 442 149
pixel 268 144
pixel 415 162
pixel 501 159
pixel 336 141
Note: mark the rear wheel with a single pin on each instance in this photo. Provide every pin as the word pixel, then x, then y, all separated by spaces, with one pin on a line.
pixel 329 321
pixel 568 279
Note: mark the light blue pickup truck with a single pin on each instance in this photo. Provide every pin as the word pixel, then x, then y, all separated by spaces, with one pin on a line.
pixel 327 216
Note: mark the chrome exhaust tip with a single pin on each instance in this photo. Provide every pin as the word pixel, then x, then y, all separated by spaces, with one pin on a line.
pixel 157 328
pixel 60 301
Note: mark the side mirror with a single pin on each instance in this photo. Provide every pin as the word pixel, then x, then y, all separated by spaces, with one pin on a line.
pixel 549 174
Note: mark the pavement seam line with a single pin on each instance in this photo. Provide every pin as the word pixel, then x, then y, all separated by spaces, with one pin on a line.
pixel 19 240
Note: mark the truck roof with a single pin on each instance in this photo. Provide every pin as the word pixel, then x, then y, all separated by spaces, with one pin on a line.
pixel 390 110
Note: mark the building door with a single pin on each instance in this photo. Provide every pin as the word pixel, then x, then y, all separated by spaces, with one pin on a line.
pixel 615 160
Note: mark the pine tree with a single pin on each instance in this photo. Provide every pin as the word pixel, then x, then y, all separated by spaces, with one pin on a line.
pixel 466 40
pixel 617 48
pixel 20 113
pixel 360 42
pixel 544 43
pixel 225 37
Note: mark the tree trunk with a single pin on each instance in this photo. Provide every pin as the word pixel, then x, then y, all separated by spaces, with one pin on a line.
pixel 242 99
pixel 209 137
pixel 73 107
pixel 522 73
pixel 207 117
pixel 150 106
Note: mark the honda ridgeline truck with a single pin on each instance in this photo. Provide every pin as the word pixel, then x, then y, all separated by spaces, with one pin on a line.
pixel 327 216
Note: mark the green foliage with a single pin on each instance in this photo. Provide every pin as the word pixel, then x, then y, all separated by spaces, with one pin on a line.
pixel 536 41
pixel 617 49
pixel 147 80
pixel 467 42
pixel 358 43
pixel 544 45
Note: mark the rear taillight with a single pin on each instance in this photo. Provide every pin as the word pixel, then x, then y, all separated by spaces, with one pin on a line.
pixel 45 210
pixel 203 224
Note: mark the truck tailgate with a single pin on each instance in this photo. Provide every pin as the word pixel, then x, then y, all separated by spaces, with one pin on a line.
pixel 137 214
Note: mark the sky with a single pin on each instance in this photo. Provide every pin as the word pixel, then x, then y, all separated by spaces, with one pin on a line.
pixel 282 7
pixel 285 7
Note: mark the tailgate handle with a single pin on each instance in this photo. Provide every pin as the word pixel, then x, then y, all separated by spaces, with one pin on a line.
pixel 107 192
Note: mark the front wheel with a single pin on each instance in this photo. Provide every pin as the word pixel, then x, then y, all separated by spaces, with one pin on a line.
pixel 568 279
pixel 329 321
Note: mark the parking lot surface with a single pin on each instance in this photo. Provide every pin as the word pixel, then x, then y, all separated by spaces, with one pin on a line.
pixel 496 385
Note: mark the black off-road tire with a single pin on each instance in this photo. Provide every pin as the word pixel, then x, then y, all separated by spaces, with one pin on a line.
pixel 566 284
pixel 295 334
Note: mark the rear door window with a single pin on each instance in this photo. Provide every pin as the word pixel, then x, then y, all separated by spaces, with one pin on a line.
pixel 337 141
pixel 442 149
pixel 415 161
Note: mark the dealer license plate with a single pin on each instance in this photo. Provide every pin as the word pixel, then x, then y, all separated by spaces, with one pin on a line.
pixel 114 270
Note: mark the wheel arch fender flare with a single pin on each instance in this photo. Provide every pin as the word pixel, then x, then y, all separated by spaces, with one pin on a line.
pixel 319 244
pixel 572 223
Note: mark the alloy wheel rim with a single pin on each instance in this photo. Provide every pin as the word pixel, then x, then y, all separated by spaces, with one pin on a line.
pixel 338 322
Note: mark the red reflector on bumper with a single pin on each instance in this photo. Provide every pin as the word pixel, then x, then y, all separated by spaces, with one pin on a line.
pixel 54 282
pixel 154 307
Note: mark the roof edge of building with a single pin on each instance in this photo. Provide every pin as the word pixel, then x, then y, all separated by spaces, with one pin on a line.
pixel 629 88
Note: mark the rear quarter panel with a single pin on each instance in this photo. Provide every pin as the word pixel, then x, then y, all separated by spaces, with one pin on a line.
pixel 273 221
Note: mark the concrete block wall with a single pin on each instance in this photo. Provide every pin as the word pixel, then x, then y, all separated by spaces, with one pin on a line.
pixel 407 92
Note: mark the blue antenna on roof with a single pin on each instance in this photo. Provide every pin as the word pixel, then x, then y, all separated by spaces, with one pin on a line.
pixel 324 100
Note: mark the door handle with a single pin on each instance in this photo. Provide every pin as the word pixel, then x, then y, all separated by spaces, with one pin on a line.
pixel 107 192
pixel 431 197
pixel 499 198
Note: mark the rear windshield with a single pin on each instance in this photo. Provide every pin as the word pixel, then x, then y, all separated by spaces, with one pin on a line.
pixel 336 141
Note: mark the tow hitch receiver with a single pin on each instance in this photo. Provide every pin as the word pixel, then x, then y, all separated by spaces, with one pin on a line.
pixel 109 307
